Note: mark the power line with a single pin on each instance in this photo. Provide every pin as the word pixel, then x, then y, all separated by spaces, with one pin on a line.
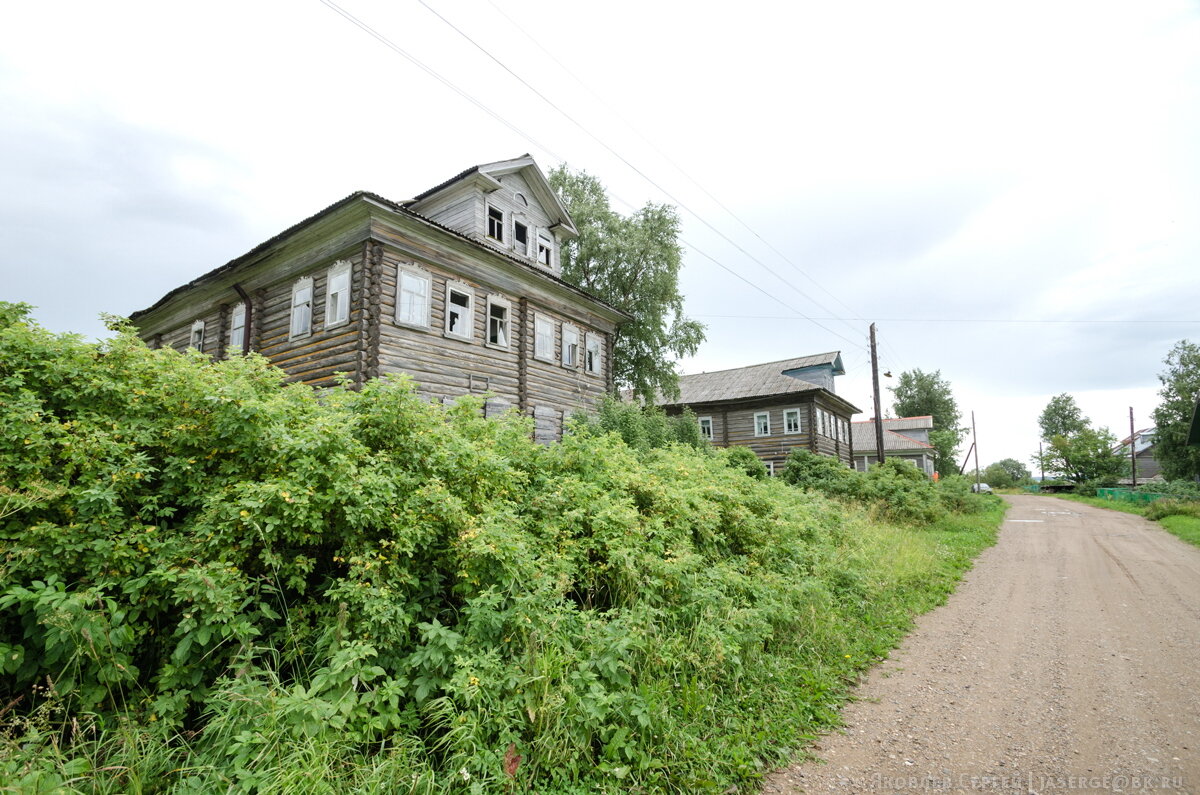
pixel 679 202
pixel 964 320
pixel 494 114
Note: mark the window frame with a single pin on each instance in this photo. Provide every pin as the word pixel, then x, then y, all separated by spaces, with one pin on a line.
pixel 495 223
pixel 798 415
pixel 543 237
pixel 593 364
pixel 572 332
pixel 301 330
pixel 333 319
pixel 196 336
pixel 543 354
pixel 519 245
pixel 758 430
pixel 711 435
pixel 419 274
pixel 237 323
pixel 495 300
pixel 468 312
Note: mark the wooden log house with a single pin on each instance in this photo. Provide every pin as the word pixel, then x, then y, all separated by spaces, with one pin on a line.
pixel 772 408
pixel 459 287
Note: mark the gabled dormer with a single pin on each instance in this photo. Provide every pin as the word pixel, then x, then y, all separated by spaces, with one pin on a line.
pixel 508 205
pixel 819 369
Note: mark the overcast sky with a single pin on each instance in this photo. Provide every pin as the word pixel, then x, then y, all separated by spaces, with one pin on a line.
pixel 1009 190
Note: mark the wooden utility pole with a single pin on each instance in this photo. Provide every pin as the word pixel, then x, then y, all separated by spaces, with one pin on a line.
pixel 875 385
pixel 1132 450
pixel 975 446
pixel 1041 467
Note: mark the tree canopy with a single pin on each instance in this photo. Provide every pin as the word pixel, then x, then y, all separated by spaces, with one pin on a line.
pixel 631 262
pixel 1006 473
pixel 1074 449
pixel 918 394
pixel 1173 416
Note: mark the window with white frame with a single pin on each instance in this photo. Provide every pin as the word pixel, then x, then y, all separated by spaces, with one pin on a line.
pixel 570 346
pixel 544 249
pixel 521 238
pixel 771 468
pixel 791 421
pixel 497 321
pixel 706 427
pixel 302 293
pixel 543 337
pixel 762 423
pixel 592 352
pixel 337 295
pixel 460 314
pixel 495 224
pixel 197 338
pixel 412 297
pixel 237 326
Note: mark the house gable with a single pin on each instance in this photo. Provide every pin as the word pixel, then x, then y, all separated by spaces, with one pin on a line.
pixel 508 205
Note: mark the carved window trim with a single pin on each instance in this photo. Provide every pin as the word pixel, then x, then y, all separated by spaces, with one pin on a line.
pixel 337 294
pixel 420 302
pixel 300 320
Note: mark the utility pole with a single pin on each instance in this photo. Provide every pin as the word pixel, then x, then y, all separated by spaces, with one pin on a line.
pixel 975 444
pixel 875 385
pixel 1041 467
pixel 1132 450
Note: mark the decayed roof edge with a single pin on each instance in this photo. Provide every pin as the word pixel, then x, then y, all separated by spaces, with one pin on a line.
pixel 390 205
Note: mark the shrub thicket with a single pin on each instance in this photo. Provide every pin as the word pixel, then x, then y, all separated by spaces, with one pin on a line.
pixel 213 581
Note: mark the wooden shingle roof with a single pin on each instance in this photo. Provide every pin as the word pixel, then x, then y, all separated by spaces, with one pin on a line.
pixel 862 436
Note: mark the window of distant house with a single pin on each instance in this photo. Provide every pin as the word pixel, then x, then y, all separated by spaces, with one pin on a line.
pixel 543 337
pixel 495 228
pixel 412 297
pixel 337 295
pixel 302 293
pixel 197 339
pixel 544 249
pixel 762 424
pixel 771 468
pixel 791 420
pixel 521 238
pixel 591 353
pixel 570 346
pixel 706 427
pixel 460 317
pixel 497 321
pixel 237 326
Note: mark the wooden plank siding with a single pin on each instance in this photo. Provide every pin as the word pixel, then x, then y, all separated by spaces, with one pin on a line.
pixel 734 426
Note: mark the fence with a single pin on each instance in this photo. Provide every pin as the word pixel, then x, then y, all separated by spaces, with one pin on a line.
pixel 1129 495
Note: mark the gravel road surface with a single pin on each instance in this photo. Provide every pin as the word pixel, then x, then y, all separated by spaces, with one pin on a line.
pixel 1068 660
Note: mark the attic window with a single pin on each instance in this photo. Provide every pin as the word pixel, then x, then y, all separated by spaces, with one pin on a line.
pixel 521 237
pixel 544 249
pixel 495 228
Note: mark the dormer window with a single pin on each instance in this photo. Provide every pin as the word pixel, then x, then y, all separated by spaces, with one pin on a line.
pixel 495 228
pixel 521 237
pixel 543 250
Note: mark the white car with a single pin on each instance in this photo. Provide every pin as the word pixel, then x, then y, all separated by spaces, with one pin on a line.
pixel 981 488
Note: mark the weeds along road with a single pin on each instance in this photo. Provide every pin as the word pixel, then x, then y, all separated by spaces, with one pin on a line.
pixel 1068 660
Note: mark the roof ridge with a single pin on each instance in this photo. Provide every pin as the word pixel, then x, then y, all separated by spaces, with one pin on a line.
pixel 760 364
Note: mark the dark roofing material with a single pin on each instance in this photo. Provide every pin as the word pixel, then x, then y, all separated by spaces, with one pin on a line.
pixel 756 380
pixel 862 437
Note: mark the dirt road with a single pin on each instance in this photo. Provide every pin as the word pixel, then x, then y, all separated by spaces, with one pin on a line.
pixel 1067 661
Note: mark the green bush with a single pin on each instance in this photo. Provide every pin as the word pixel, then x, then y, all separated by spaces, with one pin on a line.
pixel 1172 507
pixel 820 473
pixel 641 427
pixel 212 581
pixel 746 460
pixel 1186 489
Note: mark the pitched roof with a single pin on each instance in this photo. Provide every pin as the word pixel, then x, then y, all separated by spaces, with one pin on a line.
pixel 756 380
pixel 388 204
pixel 862 437
pixel 907 423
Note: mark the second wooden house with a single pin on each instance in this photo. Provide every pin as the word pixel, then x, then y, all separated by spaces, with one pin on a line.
pixel 772 408
pixel 459 287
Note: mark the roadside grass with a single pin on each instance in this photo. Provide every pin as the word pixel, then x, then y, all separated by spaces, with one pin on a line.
pixel 1100 502
pixel 1186 528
